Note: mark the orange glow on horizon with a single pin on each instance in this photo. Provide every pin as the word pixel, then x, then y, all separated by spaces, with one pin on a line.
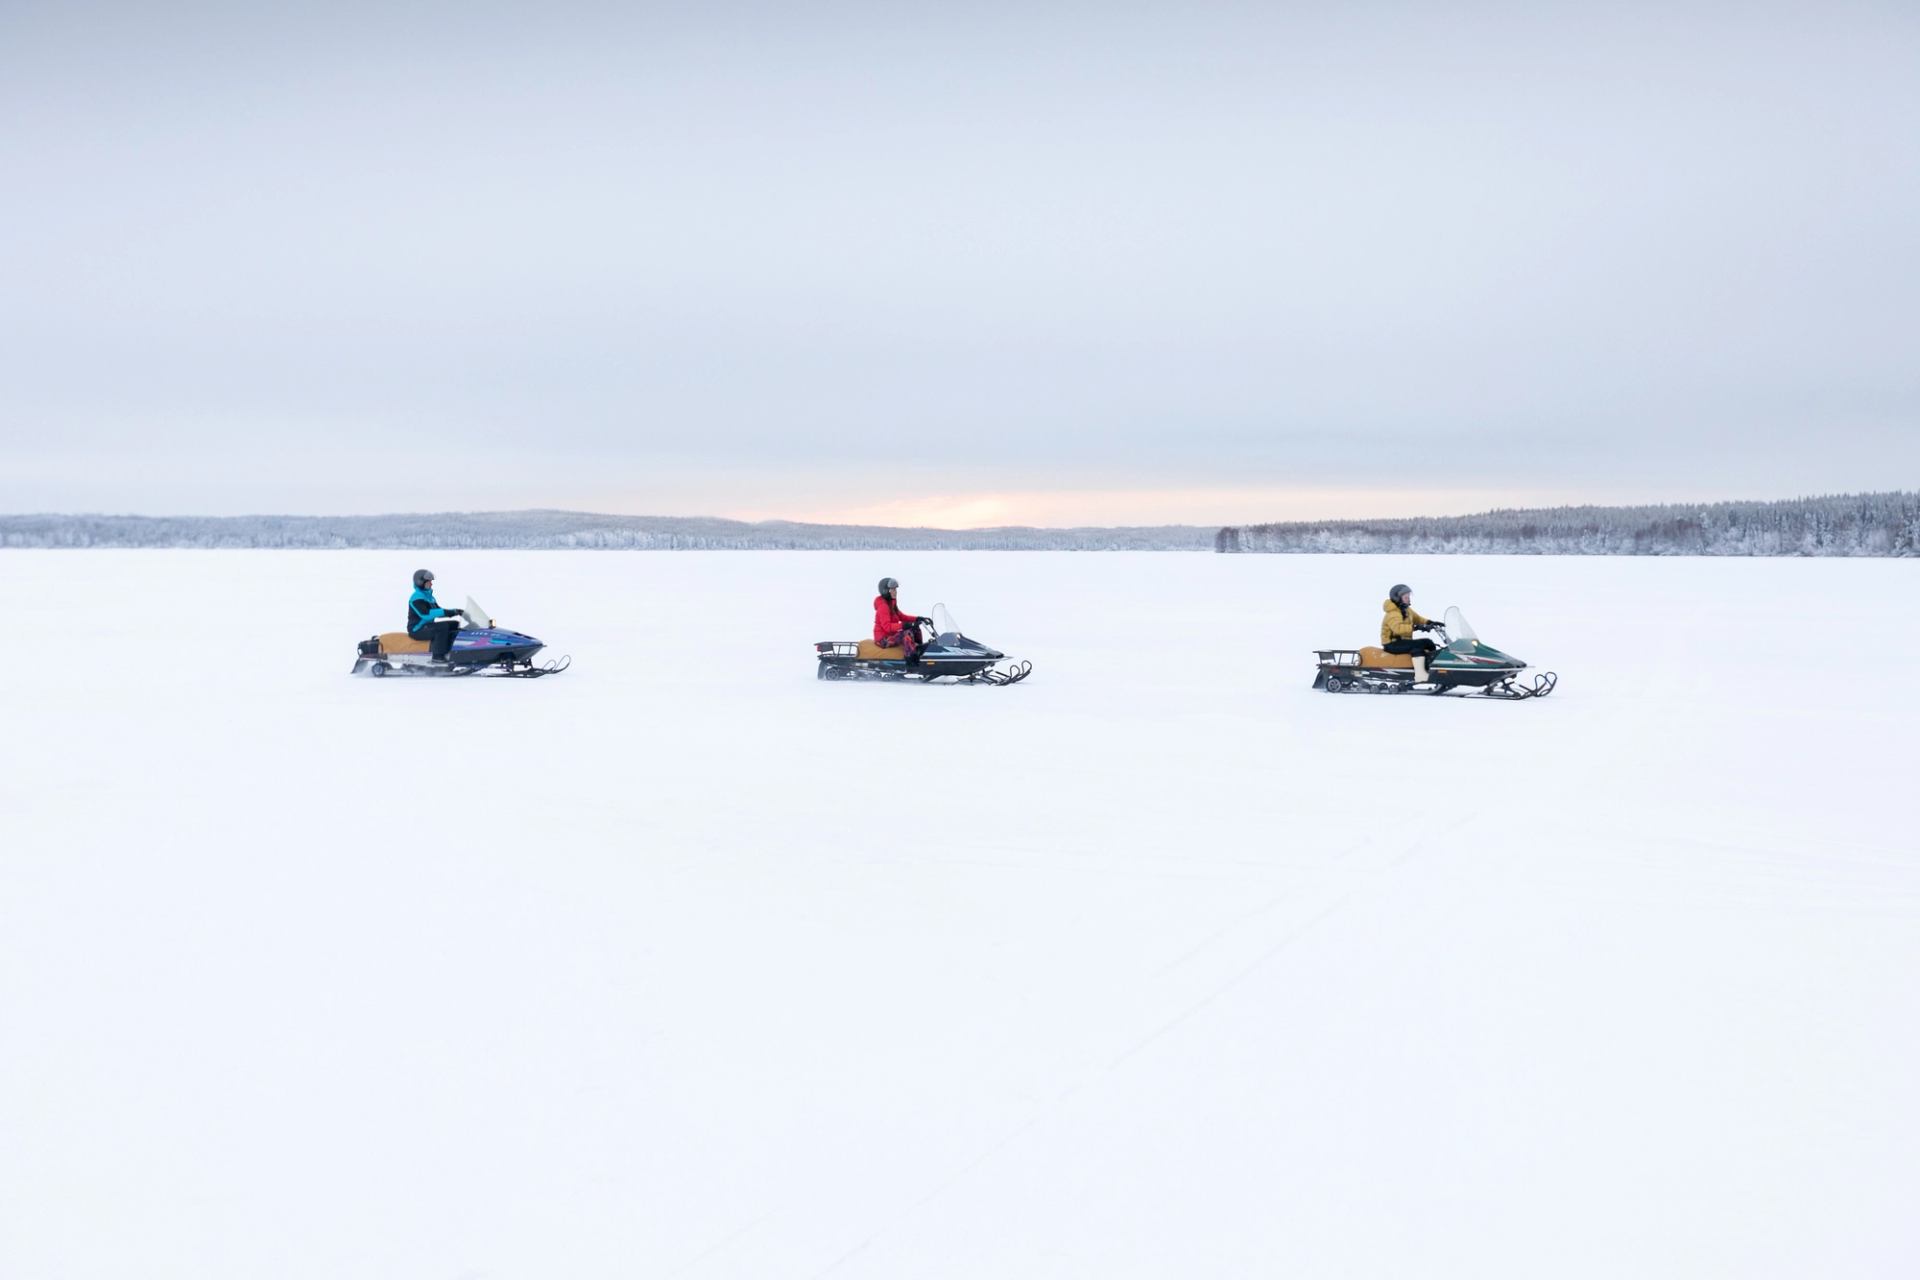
pixel 1068 508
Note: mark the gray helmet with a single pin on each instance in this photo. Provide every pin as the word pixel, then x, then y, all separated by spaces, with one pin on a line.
pixel 888 585
pixel 1399 589
pixel 421 577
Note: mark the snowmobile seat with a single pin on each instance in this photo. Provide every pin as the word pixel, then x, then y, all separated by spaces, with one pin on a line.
pixel 1375 656
pixel 401 642
pixel 871 652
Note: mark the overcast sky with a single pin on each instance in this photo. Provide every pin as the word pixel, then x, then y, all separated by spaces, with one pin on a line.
pixel 955 263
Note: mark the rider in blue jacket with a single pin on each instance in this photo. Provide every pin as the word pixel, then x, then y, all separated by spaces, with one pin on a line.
pixel 426 620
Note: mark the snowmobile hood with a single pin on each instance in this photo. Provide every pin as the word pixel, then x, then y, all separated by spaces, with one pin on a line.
pixel 1476 654
pixel 489 640
pixel 953 644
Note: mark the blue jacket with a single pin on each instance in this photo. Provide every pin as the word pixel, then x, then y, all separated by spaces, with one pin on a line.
pixel 422 608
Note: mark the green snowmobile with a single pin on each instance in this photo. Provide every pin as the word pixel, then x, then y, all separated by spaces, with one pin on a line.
pixel 1464 664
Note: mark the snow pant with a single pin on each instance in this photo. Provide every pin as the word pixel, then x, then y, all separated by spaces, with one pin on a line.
pixel 1423 647
pixel 907 638
pixel 439 635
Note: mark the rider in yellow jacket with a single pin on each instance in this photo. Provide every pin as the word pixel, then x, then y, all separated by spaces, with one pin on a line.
pixel 1398 625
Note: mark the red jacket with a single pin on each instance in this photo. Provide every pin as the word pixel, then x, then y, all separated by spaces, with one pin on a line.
pixel 888 620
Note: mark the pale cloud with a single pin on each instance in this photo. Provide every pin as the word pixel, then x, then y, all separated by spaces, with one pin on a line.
pixel 973 265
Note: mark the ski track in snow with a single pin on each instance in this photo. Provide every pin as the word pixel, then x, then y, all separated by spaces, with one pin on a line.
pixel 1287 938
pixel 1161 964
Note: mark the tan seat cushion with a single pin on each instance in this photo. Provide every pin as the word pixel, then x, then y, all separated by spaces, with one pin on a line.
pixel 401 642
pixel 1374 656
pixel 871 651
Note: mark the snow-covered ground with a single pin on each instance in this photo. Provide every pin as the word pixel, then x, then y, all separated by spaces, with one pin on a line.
pixel 685 964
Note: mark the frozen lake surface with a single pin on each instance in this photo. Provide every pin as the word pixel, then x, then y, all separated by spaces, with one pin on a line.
pixel 685 964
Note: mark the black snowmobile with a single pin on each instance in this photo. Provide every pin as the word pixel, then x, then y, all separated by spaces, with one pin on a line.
pixel 480 648
pixel 1463 665
pixel 949 655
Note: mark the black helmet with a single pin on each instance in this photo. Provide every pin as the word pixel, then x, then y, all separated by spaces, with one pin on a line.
pixel 1399 589
pixel 889 585
pixel 421 577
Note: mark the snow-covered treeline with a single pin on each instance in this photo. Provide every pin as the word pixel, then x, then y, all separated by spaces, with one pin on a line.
pixel 551 530
pixel 1859 524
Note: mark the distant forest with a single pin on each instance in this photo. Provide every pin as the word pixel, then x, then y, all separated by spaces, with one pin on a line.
pixel 1868 524
pixel 1859 524
pixel 560 530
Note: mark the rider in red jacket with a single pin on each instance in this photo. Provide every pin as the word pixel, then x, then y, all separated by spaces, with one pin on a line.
pixel 893 629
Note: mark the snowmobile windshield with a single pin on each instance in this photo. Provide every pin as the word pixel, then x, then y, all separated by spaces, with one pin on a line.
pixel 1458 628
pixel 943 623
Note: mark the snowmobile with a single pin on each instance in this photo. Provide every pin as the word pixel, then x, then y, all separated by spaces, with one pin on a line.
pixel 1463 665
pixel 948 656
pixel 480 648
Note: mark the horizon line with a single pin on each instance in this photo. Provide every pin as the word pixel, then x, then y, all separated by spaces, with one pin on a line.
pixel 930 528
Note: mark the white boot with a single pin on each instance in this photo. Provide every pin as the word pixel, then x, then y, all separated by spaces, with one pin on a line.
pixel 1419 668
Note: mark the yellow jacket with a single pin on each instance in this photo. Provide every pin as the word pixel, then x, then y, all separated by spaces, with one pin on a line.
pixel 1399 623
